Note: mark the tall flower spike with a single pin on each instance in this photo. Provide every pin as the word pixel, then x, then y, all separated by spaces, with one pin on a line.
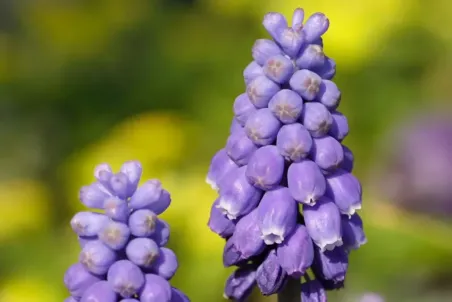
pixel 123 255
pixel 285 151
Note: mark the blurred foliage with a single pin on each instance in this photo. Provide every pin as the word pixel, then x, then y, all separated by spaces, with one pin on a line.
pixel 84 82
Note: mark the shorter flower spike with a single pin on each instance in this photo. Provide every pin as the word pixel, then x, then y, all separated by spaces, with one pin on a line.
pixel 270 276
pixel 330 265
pixel 353 232
pixel 306 182
pixel 240 283
pixel 312 291
pixel 323 223
pixel 265 168
pixel 123 255
pixel 294 142
pixel 286 105
pixel 296 254
pixel 345 190
pixel 276 215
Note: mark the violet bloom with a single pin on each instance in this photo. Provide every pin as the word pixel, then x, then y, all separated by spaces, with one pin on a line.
pixel 284 152
pixel 121 246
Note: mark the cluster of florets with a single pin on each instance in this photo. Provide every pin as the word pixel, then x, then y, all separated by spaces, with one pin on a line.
pixel 285 151
pixel 123 255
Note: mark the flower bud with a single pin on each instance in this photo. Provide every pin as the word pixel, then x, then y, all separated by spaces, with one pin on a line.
pixel 99 291
pixel 240 148
pixel 270 276
pixel 330 265
pixel 277 215
pixel 323 223
pixel 247 237
pixel 347 163
pixel 149 196
pixel 306 182
pixel 126 278
pixel 166 264
pixel 274 23
pixel 103 173
pixel 119 184
pixel 339 127
pixel 311 57
pixel 97 258
pixel 219 224
pixel 240 283
pixel 94 195
pixel 114 235
pixel 261 90
pixel 291 41
pixel 239 197
pixel 306 83
pixel 142 223
pixel 297 19
pixel 312 291
pixel 235 126
pixel 328 70
pixel 278 68
pixel 263 49
pixel 353 232
pixel 88 223
pixel 162 232
pixel 294 142
pixel 317 119
pixel 316 25
pixel 178 296
pixel 77 280
pixel 156 289
pixel 296 253
pixel 286 105
pixel 230 254
pixel 220 165
pixel 345 190
pixel 243 108
pixel 143 252
pixel 252 71
pixel 265 168
pixel 329 94
pixel 262 127
pixel 117 209
pixel 327 153
pixel 133 170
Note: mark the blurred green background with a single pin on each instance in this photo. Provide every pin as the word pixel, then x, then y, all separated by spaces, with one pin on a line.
pixel 84 82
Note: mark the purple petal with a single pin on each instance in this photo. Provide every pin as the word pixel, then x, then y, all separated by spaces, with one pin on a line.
pixel 247 236
pixel 240 284
pixel 311 57
pixel 317 119
pixel 327 153
pixel 306 182
pixel 328 70
pixel 316 25
pixel 220 165
pixel 243 108
pixel 218 222
pixel 278 69
pixel 100 291
pixel 286 105
pixel 125 278
pixel 329 94
pixel 297 19
pixel 339 128
pixel 265 168
pixel 290 41
pixel 252 71
pixel 306 83
pixel 262 127
pixel 270 276
pixel 261 90
pixel 94 195
pixel 240 148
pixel 345 190
pixel 312 291
pixel 274 23
pixel 133 170
pixel 88 223
pixel 330 265
pixel 77 280
pixel 263 49
pixel 156 289
pixel 353 232
pixel 294 142
pixel 166 264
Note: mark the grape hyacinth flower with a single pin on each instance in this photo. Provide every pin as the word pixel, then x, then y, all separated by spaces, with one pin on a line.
pixel 285 152
pixel 123 255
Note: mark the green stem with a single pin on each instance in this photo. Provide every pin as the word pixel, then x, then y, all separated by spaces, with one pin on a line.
pixel 290 292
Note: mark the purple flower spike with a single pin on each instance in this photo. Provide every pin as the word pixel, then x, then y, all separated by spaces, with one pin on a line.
pixel 243 108
pixel 100 291
pixel 274 23
pixel 147 196
pixel 240 197
pixel 262 127
pixel 166 264
pixel 327 71
pixel 125 278
pixel 330 265
pixel 306 83
pixel 270 276
pixel 247 236
pixel 339 127
pixel 97 258
pixel 317 119
pixel 313 291
pixel 297 19
pixel 260 91
pixel 219 224
pixel 353 232
pixel 77 280
pixel 296 254
pixel 265 168
pixel 286 105
pixel 143 252
pixel 88 223
pixel 311 57
pixel 252 71
pixel 230 254
pixel 115 235
pixel 178 296
pixel 329 94
pixel 263 49
pixel 133 170
pixel 117 209
pixel 316 25
pixel 327 153
pixel 240 284
pixel 291 41
pixel 345 190
pixel 156 289
pixel 347 164
pixel 306 182
pixel 221 165
pixel 278 69
pixel 94 195
pixel 277 215
pixel 294 142
pixel 323 222
pixel 240 148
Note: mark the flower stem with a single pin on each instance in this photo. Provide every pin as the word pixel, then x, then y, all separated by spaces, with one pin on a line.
pixel 290 292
